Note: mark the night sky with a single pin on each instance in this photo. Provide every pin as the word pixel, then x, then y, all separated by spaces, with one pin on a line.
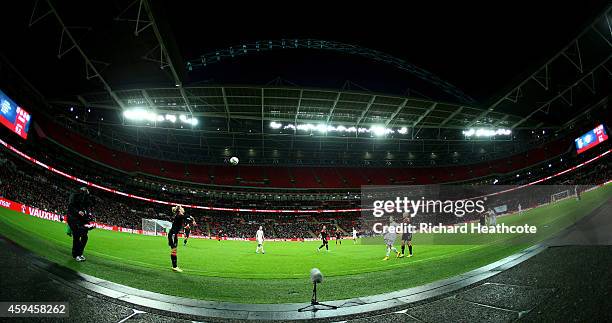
pixel 481 49
pixel 478 48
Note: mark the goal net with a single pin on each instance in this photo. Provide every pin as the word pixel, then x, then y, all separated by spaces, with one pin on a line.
pixel 155 226
pixel 560 196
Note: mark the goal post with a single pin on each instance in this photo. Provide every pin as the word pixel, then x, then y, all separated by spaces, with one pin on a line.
pixel 560 196
pixel 155 226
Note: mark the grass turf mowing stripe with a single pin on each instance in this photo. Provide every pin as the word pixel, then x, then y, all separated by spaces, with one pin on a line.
pixel 231 271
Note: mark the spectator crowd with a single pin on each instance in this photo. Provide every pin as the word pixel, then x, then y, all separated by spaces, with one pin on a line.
pixel 25 183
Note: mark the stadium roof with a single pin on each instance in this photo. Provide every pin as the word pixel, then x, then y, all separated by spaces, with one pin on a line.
pixel 149 54
pixel 299 105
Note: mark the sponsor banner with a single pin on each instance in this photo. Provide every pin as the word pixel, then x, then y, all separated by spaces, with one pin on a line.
pixel 105 227
pixel 8 204
pixel 25 209
pixel 253 239
pixel 44 214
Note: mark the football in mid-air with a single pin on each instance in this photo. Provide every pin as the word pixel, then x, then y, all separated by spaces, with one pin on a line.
pixel 234 160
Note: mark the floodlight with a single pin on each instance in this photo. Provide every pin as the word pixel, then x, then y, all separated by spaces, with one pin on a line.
pixel 378 130
pixel 486 132
pixel 321 128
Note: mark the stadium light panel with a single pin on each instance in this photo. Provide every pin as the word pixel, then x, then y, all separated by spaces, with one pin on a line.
pixel 185 119
pixel 322 128
pixel 377 130
pixel 481 132
pixel 140 114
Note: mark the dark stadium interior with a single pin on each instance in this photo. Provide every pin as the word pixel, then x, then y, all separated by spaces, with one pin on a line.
pixel 209 82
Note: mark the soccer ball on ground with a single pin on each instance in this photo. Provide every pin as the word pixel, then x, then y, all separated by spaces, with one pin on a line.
pixel 234 160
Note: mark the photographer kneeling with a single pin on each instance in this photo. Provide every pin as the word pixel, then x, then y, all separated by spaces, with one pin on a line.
pixel 79 221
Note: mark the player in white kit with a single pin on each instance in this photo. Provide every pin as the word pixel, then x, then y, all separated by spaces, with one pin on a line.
pixel 492 217
pixel 389 236
pixel 354 236
pixel 259 236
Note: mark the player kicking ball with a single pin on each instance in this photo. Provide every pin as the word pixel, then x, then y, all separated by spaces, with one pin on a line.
pixel 406 237
pixel 179 218
pixel 390 237
pixel 259 236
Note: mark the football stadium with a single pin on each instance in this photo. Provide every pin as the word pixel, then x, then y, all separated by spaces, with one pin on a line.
pixel 168 161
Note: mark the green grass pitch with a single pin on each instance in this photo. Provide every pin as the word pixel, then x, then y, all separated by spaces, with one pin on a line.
pixel 231 271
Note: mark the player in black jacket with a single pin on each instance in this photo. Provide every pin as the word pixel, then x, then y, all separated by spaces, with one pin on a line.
pixel 79 219
pixel 324 237
pixel 177 224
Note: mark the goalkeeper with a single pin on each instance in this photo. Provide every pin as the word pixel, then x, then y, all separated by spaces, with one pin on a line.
pixel 79 220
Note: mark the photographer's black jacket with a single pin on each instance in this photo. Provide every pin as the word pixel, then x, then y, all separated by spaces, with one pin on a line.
pixel 79 201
